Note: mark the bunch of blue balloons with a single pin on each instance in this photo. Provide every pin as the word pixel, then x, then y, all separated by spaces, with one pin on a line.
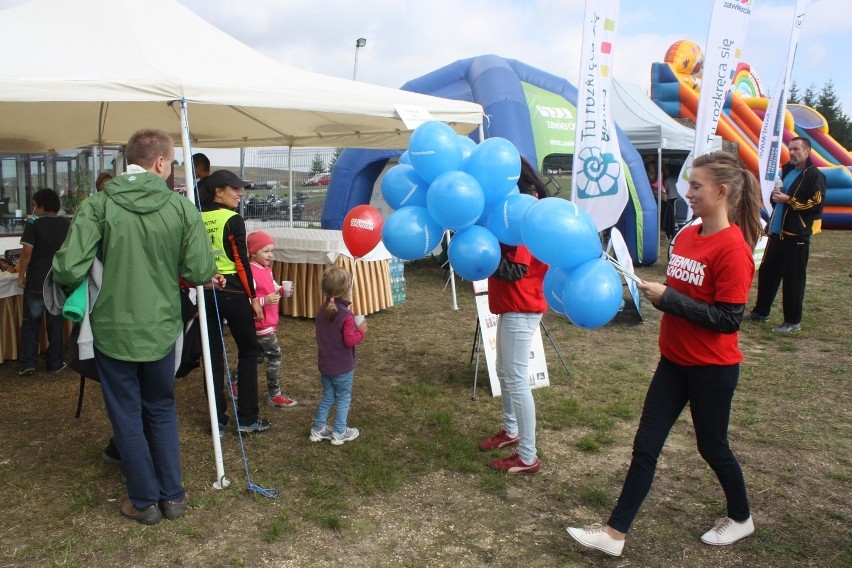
pixel 445 181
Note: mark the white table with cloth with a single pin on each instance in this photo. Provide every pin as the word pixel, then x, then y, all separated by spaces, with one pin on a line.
pixel 302 256
pixel 11 316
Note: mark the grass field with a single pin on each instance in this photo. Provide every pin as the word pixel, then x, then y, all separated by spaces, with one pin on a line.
pixel 415 491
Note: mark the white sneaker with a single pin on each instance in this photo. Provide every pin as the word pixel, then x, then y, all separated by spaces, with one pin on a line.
pixel 346 436
pixel 323 433
pixel 728 531
pixel 595 536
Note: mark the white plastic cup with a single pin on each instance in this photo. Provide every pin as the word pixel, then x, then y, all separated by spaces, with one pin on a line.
pixel 359 320
pixel 287 288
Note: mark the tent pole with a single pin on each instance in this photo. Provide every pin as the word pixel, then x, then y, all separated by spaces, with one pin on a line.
pixel 221 482
pixel 452 274
pixel 290 179
pixel 659 194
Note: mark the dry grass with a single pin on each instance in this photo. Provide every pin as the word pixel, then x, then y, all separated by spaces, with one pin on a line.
pixel 415 491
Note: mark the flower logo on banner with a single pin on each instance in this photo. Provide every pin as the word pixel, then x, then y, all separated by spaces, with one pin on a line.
pixel 598 175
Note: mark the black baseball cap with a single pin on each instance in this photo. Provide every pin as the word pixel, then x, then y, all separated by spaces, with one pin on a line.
pixel 221 178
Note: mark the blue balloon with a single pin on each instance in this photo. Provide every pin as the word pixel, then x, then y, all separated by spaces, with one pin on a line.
pixel 507 217
pixel 554 286
pixel 558 233
pixel 404 158
pixel 401 186
pixel 410 233
pixel 467 146
pixel 455 200
pixel 434 149
pixel 593 294
pixel 474 253
pixel 496 164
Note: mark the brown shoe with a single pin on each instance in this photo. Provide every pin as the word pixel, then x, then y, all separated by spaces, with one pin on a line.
pixel 148 516
pixel 174 509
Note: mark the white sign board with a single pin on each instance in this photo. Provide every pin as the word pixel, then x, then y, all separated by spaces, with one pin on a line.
pixel 622 254
pixel 538 376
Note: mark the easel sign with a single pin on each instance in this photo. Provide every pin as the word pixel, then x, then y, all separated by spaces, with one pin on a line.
pixel 487 338
pixel 622 254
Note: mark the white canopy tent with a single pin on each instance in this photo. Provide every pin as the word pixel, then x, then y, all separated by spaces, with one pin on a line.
pixel 646 125
pixel 85 72
pixel 91 72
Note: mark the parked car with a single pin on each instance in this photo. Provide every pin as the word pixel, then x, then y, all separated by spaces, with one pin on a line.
pixel 319 179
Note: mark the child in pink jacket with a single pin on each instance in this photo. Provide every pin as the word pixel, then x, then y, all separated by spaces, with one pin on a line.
pixel 260 249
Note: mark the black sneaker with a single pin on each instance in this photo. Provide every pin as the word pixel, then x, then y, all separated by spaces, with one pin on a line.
pixel 755 317
pixel 111 453
pixel 260 425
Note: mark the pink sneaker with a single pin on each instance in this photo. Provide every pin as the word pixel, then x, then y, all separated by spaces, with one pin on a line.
pixel 513 464
pixel 234 389
pixel 498 440
pixel 280 401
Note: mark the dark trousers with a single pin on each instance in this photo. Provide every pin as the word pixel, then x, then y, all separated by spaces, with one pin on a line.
pixel 30 327
pixel 140 403
pixel 709 391
pixel 235 308
pixel 667 217
pixel 785 259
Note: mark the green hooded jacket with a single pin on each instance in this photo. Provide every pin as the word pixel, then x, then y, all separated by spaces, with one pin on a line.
pixel 147 237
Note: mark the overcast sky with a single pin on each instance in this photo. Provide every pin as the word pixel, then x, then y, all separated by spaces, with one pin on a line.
pixel 408 39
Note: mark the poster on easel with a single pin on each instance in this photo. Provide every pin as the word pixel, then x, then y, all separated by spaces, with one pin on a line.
pixel 538 376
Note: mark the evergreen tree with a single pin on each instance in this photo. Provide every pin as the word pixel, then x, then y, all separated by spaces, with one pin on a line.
pixel 793 97
pixel 828 105
pixel 317 165
pixel 334 157
pixel 809 98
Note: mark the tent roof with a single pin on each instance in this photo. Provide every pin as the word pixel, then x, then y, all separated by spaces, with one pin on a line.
pixel 109 67
pixel 646 125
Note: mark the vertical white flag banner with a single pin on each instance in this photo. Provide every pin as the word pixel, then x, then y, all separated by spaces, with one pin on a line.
pixel 725 40
pixel 598 180
pixel 769 146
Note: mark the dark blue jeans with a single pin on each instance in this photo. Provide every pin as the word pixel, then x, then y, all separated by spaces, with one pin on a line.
pixel 140 403
pixel 30 327
pixel 709 391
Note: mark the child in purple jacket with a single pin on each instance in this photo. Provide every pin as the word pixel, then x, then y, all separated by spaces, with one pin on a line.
pixel 337 335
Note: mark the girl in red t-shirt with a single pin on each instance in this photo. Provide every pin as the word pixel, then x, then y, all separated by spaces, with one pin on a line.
pixel 707 282
pixel 516 296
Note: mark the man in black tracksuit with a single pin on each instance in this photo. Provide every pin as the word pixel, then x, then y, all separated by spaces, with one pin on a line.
pixel 797 214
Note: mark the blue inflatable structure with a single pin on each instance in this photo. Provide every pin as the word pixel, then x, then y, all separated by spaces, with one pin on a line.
pixel 506 89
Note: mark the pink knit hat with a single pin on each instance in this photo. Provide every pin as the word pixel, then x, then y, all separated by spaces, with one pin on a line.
pixel 257 240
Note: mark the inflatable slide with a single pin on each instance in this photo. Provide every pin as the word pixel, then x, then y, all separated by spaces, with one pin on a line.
pixel 529 107
pixel 675 87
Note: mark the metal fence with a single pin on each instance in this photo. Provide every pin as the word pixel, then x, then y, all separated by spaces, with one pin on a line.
pixel 270 201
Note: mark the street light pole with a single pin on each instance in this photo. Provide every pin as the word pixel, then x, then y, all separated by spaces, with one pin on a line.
pixel 359 43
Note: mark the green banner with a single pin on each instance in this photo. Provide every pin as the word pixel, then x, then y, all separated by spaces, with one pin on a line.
pixel 552 120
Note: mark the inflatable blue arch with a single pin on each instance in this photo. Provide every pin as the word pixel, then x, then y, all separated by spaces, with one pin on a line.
pixel 506 90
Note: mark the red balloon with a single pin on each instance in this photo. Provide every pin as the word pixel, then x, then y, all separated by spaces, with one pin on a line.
pixel 362 230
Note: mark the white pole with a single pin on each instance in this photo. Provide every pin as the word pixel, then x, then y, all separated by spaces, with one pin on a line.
pixel 659 194
pixel 452 274
pixel 290 179
pixel 189 174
